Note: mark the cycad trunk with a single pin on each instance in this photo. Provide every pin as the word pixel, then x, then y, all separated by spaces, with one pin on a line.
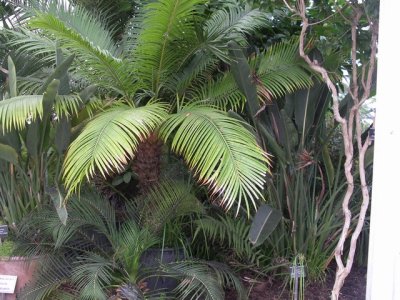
pixel 147 163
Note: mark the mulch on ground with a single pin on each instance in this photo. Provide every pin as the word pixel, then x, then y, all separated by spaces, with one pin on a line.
pixel 353 289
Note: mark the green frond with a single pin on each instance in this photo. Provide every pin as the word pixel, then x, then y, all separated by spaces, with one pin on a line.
pixel 51 274
pixel 15 112
pixel 233 23
pixel 165 201
pixel 91 275
pixel 109 141
pixel 29 44
pixel 196 281
pixel 281 70
pixel 79 31
pixel 222 93
pixel 167 24
pixel 222 152
pixel 224 25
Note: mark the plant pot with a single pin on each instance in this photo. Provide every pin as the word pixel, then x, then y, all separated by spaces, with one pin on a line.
pixel 22 267
pixel 152 258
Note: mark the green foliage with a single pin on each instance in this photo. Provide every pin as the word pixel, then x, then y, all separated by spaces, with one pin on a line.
pixel 223 154
pixel 97 149
pixel 6 248
pixel 96 252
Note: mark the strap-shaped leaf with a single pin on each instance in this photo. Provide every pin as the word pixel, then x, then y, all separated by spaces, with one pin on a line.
pixel 221 151
pixel 108 141
pixel 264 222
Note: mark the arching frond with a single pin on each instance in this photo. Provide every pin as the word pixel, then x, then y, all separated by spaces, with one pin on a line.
pixel 167 24
pixel 78 30
pixel 226 24
pixel 202 280
pixel 222 152
pixel 15 112
pixel 91 275
pixel 280 70
pixel 233 23
pixel 165 201
pixel 27 43
pixel 222 93
pixel 109 140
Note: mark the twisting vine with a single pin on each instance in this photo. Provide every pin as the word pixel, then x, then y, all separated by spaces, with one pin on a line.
pixel 359 95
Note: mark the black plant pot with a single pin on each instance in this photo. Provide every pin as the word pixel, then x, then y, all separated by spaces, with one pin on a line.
pixel 152 258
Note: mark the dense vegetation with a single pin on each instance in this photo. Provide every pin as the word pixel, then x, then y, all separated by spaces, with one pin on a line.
pixel 133 128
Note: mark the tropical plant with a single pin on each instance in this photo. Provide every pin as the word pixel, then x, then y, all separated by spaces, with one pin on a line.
pixel 33 140
pixel 160 76
pixel 97 255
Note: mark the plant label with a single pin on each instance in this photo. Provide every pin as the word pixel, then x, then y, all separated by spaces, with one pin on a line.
pixel 3 231
pixel 297 272
pixel 7 284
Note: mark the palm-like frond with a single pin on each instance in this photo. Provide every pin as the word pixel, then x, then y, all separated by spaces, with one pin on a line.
pixel 231 234
pixel 202 280
pixel 109 140
pixel 28 44
pixel 222 93
pixel 233 23
pixel 16 111
pixel 222 152
pixel 160 43
pixel 91 275
pixel 52 273
pixel 166 201
pixel 280 70
pixel 210 46
pixel 78 30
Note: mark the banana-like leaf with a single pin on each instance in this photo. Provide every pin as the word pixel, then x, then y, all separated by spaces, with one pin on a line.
pixel 12 78
pixel 59 204
pixel 59 73
pixel 264 222
pixel 242 73
pixel 109 141
pixel 222 152
pixel 63 134
pixel 8 154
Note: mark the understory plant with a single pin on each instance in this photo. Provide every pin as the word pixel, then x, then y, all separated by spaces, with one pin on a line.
pixel 97 254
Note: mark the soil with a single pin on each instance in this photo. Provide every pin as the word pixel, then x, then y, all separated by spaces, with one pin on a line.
pixel 353 289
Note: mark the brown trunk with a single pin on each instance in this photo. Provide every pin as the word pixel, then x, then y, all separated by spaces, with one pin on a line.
pixel 147 162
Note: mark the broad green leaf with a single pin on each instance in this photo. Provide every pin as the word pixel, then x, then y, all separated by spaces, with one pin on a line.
pixel 242 74
pixel 62 135
pixel 8 154
pixel 264 222
pixel 12 78
pixel 59 204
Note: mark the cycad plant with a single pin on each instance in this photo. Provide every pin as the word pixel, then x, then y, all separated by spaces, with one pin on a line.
pixel 170 81
pixel 98 255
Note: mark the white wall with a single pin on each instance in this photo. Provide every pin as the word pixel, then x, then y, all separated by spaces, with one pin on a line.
pixel 384 256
